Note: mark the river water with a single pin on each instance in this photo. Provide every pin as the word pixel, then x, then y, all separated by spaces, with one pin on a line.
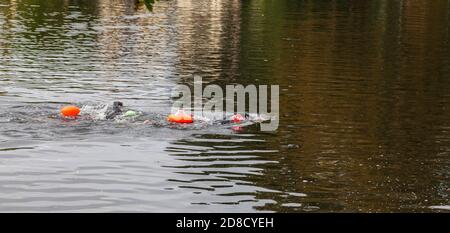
pixel 364 106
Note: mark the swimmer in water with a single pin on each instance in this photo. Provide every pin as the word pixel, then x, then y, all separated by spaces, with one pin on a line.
pixel 116 110
pixel 235 119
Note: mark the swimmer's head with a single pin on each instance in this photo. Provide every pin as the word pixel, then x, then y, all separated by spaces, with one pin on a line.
pixel 117 106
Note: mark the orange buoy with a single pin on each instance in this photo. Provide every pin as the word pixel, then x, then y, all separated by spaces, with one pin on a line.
pixel 237 118
pixel 180 117
pixel 70 111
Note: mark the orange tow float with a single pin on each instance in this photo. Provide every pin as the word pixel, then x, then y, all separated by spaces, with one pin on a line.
pixel 180 117
pixel 70 111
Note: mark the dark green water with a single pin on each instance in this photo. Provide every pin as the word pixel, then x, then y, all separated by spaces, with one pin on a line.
pixel 364 93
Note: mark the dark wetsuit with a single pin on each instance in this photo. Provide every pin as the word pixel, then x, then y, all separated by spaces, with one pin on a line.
pixel 116 110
